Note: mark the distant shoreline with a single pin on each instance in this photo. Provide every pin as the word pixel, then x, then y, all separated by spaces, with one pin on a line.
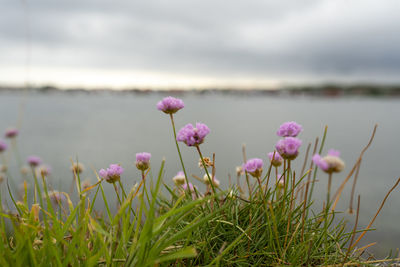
pixel 328 90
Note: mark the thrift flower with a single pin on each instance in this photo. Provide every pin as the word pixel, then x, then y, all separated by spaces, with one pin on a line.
pixel 170 105
pixel 215 181
pixel 11 133
pixel 275 158
pixel 3 146
pixel 330 163
pixel 193 136
pixel 143 161
pixel 112 174
pixel 179 178
pixel 34 161
pixel 288 147
pixel 254 167
pixel 207 162
pixel 43 171
pixel 77 168
pixel 289 129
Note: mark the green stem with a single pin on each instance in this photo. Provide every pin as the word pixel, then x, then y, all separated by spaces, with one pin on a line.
pixel 180 155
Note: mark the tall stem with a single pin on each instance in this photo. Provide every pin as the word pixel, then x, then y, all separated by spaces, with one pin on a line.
pixel 179 153
pixel 328 196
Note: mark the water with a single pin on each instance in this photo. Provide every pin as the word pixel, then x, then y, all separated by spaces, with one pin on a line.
pixel 107 128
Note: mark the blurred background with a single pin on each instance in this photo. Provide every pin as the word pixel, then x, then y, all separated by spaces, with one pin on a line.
pixel 80 80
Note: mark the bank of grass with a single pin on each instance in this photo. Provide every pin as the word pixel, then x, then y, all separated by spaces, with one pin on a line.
pixel 260 223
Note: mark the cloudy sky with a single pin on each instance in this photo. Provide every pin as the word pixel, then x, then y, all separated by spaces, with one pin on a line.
pixel 183 43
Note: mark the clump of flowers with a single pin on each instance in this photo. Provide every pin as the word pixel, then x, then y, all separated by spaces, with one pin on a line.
pixel 170 105
pixel 112 174
pixel 179 178
pixel 254 167
pixel 43 171
pixel 330 163
pixel 34 161
pixel 193 136
pixel 77 168
pixel 11 133
pixel 143 160
pixel 215 181
pixel 289 129
pixel 288 147
pixel 275 159
pixel 3 146
pixel 207 162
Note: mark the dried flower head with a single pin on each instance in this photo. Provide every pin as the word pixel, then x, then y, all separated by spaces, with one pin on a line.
pixel 275 159
pixel 2 177
pixel 3 146
pixel 288 147
pixel 170 105
pixel 43 171
pixel 289 129
pixel 179 178
pixel 207 162
pixel 77 168
pixel 11 133
pixel 330 163
pixel 193 136
pixel 215 181
pixel 34 161
pixel 143 160
pixel 112 174
pixel 254 167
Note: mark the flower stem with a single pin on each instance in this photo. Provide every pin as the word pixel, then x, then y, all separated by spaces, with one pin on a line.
pixel 179 153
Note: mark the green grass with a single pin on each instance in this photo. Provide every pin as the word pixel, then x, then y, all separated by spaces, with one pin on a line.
pixel 262 225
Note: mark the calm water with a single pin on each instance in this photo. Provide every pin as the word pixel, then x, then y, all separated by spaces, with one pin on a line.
pixel 103 129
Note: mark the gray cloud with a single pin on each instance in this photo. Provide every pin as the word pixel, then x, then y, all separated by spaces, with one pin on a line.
pixel 282 39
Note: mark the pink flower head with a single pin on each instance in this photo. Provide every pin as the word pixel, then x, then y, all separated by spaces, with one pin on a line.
pixel 275 158
pixel 143 160
pixel 112 174
pixel 11 133
pixel 3 146
pixel 170 105
pixel 34 161
pixel 254 167
pixel 193 136
pixel 330 163
pixel 288 147
pixel 289 129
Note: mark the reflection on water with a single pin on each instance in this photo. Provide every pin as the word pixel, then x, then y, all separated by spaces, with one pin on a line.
pixel 103 129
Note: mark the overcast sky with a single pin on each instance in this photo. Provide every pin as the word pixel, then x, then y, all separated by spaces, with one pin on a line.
pixel 167 43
